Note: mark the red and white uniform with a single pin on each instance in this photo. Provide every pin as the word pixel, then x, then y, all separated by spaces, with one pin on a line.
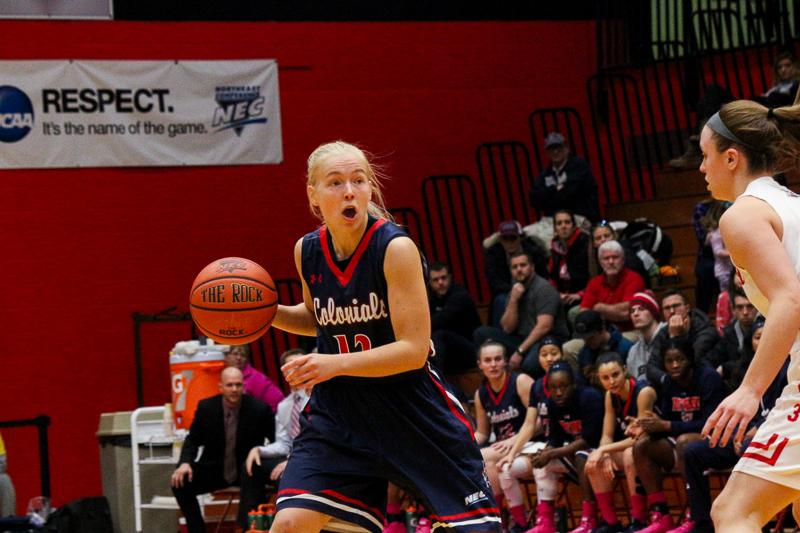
pixel 774 453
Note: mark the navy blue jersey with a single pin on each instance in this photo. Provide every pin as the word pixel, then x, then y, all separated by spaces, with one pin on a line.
pixel 350 303
pixel 688 408
pixel 581 417
pixel 504 408
pixel 625 408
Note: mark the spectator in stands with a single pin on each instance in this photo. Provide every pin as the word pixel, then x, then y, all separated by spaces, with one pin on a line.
pixel 682 321
pixel 646 319
pixel 227 426
pixel 500 408
pixel 567 183
pixel 785 82
pixel 724 308
pixel 453 319
pixel 730 347
pixel 705 286
pixel 532 435
pixel 568 266
pixel 256 383
pixel 624 399
pixel 510 239
pixel 8 496
pixel 722 259
pixel 533 310
pixel 688 396
pixel 575 426
pixel 599 337
pixel 698 456
pixel 269 461
pixel 610 292
pixel 604 232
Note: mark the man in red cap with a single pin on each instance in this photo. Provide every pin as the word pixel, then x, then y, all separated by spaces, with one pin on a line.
pixel 646 319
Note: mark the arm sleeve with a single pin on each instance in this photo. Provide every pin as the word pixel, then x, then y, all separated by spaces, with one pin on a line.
pixel 195 438
pixel 590 294
pixel 446 317
pixel 541 196
pixel 495 261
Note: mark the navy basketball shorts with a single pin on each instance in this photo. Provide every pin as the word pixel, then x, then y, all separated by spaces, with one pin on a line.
pixel 358 434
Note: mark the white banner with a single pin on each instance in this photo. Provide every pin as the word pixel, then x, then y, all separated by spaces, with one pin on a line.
pixel 138 113
pixel 62 9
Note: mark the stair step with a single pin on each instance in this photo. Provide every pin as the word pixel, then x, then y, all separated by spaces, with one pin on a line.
pixel 680 183
pixel 669 212
pixel 684 240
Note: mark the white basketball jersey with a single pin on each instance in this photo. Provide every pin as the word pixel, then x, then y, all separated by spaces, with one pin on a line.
pixel 787 205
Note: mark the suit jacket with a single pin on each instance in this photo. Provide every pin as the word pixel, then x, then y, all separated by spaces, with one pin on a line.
pixel 256 422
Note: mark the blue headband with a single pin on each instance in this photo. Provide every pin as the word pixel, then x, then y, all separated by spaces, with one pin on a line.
pixel 715 124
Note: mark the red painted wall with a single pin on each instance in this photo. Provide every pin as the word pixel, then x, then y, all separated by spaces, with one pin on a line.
pixel 85 248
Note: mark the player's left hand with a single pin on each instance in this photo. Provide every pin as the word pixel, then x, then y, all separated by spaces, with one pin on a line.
pixel 503 446
pixel 732 415
pixel 310 369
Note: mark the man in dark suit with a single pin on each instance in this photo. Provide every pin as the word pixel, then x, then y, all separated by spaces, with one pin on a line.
pixel 227 426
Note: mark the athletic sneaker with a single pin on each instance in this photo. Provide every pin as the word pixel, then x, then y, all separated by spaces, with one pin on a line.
pixel 659 523
pixel 634 526
pixel 587 525
pixel 686 527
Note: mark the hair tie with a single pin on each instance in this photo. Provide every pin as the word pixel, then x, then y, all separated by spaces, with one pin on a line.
pixel 770 113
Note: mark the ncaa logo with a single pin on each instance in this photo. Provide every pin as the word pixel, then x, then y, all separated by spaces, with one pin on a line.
pixel 16 114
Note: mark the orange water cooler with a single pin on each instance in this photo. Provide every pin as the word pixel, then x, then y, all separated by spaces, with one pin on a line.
pixel 195 371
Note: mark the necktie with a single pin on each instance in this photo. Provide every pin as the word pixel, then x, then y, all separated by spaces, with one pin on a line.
pixel 294 425
pixel 230 472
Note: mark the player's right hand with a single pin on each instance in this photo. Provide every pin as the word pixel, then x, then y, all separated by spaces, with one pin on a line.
pixel 731 417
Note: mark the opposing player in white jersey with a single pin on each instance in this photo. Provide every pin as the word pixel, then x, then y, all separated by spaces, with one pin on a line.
pixel 743 146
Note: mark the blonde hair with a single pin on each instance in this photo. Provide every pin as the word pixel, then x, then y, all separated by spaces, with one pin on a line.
pixel 377 206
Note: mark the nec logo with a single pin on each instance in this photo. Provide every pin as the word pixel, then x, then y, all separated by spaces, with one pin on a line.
pixel 16 114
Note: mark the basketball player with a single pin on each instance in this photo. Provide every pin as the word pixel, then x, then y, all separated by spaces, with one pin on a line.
pixel 743 146
pixel 501 403
pixel 377 412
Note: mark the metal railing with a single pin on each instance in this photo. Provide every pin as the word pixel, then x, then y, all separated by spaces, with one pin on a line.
pixel 455 229
pixel 409 218
pixel 41 423
pixel 505 180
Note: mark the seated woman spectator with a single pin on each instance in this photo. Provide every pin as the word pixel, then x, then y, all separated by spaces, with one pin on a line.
pixel 500 408
pixel 698 456
pixel 536 425
pixel 689 394
pixel 256 383
pixel 574 414
pixel 568 266
pixel 785 82
pixel 604 232
pixel 624 399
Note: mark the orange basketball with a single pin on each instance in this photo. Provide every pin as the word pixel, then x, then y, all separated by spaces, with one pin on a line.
pixel 233 300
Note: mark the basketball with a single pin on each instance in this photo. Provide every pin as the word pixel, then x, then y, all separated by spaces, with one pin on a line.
pixel 233 300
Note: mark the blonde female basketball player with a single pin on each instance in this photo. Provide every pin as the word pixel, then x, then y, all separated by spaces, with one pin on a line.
pixel 743 145
pixel 377 412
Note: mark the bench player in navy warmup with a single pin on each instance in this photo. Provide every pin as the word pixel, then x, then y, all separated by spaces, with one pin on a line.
pixel 377 411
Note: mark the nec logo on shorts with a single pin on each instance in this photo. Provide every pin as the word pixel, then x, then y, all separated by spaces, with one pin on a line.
pixel 238 106
pixel 16 114
pixel 474 497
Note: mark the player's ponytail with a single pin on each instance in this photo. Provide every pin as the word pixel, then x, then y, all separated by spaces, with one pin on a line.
pixel 377 206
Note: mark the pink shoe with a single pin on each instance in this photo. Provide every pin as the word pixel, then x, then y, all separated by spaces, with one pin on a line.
pixel 545 519
pixel 423 526
pixel 588 518
pixel 659 523
pixel 686 527
pixel 395 527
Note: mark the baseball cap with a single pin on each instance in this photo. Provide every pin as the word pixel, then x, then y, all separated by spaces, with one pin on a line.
pixel 587 323
pixel 646 300
pixel 553 138
pixel 510 227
